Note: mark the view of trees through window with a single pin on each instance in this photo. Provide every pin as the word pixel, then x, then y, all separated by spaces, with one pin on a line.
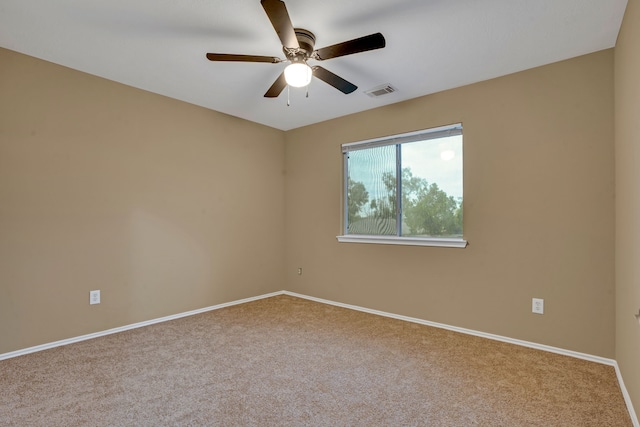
pixel 430 189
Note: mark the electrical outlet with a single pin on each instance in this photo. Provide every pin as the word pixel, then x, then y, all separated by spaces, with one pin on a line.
pixel 299 271
pixel 537 305
pixel 637 316
pixel 94 297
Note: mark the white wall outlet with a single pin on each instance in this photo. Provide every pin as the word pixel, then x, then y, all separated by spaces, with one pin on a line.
pixel 94 297
pixel 537 305
pixel 299 271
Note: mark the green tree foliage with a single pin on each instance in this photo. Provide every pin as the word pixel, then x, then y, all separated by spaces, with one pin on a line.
pixel 426 209
pixel 357 197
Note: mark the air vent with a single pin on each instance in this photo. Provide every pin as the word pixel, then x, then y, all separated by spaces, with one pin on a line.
pixel 380 90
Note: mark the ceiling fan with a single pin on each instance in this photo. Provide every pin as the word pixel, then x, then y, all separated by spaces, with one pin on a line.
pixel 298 47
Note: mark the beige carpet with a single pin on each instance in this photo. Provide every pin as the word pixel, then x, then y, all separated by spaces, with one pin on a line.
pixel 286 361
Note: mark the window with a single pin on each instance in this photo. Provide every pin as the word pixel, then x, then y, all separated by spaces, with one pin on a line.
pixel 405 189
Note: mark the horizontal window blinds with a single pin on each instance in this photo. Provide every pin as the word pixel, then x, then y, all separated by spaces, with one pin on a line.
pixel 441 132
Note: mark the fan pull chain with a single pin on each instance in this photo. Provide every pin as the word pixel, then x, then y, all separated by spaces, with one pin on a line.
pixel 307 91
pixel 288 96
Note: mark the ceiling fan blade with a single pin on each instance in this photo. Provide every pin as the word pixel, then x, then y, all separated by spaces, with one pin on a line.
pixel 242 58
pixel 277 87
pixel 334 80
pixel 279 17
pixel 362 44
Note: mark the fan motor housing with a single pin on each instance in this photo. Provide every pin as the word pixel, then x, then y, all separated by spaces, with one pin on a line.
pixel 306 40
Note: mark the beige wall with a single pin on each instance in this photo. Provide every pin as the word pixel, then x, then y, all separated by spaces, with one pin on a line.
pixel 168 207
pixel 627 147
pixel 163 206
pixel 538 198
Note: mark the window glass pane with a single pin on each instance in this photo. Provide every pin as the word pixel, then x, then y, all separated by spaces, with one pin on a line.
pixel 432 187
pixel 371 191
pixel 427 202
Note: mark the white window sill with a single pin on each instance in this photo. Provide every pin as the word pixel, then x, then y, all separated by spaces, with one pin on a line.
pixel 412 241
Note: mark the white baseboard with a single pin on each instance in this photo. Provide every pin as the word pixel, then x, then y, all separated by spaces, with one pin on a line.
pixel 627 398
pixel 128 327
pixel 551 349
pixel 570 353
pixel 522 343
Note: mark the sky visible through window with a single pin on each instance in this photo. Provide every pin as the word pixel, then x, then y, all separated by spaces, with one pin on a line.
pixel 438 161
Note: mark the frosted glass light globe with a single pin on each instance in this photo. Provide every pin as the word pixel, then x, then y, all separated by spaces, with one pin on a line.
pixel 297 74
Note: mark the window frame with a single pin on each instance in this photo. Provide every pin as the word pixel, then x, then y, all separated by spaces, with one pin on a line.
pixel 395 140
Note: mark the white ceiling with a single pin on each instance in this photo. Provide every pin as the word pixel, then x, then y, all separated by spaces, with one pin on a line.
pixel 432 45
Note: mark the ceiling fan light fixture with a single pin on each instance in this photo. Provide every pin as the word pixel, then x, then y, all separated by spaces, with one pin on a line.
pixel 298 74
pixel 298 46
